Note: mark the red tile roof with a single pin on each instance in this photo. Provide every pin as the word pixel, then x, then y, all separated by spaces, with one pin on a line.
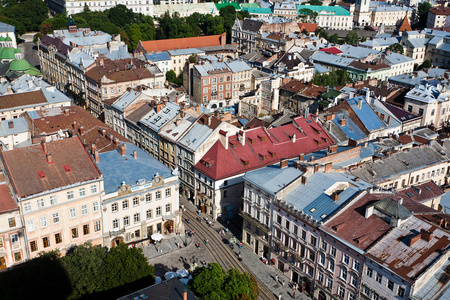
pixel 439 10
pixel 332 50
pixel 22 99
pixel 31 173
pixel 352 226
pixel 263 147
pixel 310 27
pixel 183 43
pixel 7 203
pixel 422 192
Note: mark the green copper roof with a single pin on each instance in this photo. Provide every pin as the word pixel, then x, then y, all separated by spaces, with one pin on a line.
pixel 7 53
pixel 8 39
pixel 325 10
pixel 2 39
pixel 19 65
pixel 234 4
pixel 17 50
pixel 71 22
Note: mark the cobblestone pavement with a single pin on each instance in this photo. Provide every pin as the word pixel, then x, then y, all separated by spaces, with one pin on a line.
pixel 173 258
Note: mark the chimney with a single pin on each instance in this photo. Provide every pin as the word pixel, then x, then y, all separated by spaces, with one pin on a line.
pixel 328 167
pixel 93 148
pixel 135 154
pixel 176 99
pixel 242 135
pixel 311 158
pixel 342 122
pixel 304 179
pixel 102 131
pixel 81 129
pixel 360 101
pixel 184 295
pixel 316 168
pixel 74 125
pixel 197 108
pixel 44 147
pixel 178 122
pixel 115 141
pixel 301 156
pixel 182 112
pixel 293 138
pixel 10 124
pixel 426 235
pixel 332 149
pixel 110 137
pixel 284 163
pixel 334 196
pixel 66 112
pixel 400 201
pixel 96 156
pixel 123 149
pixel 414 239
pixel 217 114
pixel 388 120
pixel 49 158
pixel 223 137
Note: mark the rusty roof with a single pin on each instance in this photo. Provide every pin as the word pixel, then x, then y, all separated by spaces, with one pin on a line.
pixel 352 226
pixel 7 203
pixel 182 43
pixel 422 192
pixel 31 172
pixel 293 86
pixel 119 70
pixel 70 119
pixel 408 251
pixel 22 99
pixel 366 66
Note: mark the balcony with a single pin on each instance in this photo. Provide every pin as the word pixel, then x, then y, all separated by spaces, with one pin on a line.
pixel 254 221
pixel 117 232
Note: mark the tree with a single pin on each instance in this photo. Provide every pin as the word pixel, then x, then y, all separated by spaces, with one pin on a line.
pixel 305 32
pixel 171 76
pixel 397 48
pixel 315 2
pixel 333 79
pixel 363 39
pixel 135 35
pixel 422 12
pixel 352 38
pixel 425 65
pixel 120 15
pixel 334 39
pixel 307 15
pixel 213 282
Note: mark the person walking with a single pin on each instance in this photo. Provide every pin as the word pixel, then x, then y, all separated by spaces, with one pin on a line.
pixel 276 278
pixel 284 283
pixel 279 297
pixel 293 295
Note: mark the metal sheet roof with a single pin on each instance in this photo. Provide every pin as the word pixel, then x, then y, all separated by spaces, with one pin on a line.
pixel 365 113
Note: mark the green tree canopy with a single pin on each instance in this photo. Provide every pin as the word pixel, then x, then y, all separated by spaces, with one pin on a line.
pixel 120 15
pixel 213 282
pixel 334 39
pixel 28 13
pixel 352 38
pixel 397 48
pixel 333 79
pixel 422 12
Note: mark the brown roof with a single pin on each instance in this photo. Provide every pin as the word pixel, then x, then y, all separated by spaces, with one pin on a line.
pixel 183 43
pixel 293 86
pixel 422 192
pixel 366 66
pixel 313 91
pixel 120 70
pixel 139 113
pixel 50 121
pixel 7 203
pixel 31 173
pixel 255 122
pixel 352 226
pixel 439 10
pixel 62 48
pixel 22 99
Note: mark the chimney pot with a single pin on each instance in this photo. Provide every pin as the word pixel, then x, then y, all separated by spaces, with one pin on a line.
pixel 301 156
pixel 74 125
pixel 96 157
pixel 123 149
pixel 93 148
pixel 10 124
pixel 66 112
pixel 135 154
pixel 284 163
pixel 184 295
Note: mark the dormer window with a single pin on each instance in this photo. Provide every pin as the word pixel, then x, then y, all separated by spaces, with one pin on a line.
pixel 67 168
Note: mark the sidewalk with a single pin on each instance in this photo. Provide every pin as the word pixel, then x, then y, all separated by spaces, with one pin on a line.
pixel 167 245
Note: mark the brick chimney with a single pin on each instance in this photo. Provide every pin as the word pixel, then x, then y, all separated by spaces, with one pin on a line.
pixel 74 125
pixel 176 99
pixel 284 163
pixel 96 157
pixel 334 196
pixel 49 158
pixel 301 156
pixel 316 168
pixel 311 158
pixel 426 235
pixel 135 154
pixel 66 112
pixel 159 107
pixel 93 148
pixel 123 149
pixel 10 124
pixel 342 122
pixel 328 167
pixel 44 147
pixel 304 180
pixel 81 129
pixel 116 141
pixel 182 112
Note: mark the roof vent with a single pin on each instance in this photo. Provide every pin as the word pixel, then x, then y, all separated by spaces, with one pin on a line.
pixel 67 168
pixel 42 175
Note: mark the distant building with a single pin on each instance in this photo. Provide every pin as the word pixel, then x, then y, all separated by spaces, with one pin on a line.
pixel 329 17
pixel 172 289
pixel 244 34
pixel 438 17
pixel 7 36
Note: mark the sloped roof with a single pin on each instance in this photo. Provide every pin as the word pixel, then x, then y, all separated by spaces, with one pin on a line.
pixel 405 25
pixel 182 43
pixel 7 203
pixel 332 50
pixel 392 208
pixel 251 25
pixel 31 174
pixel 310 27
pixel 22 99
pixel 61 48
pixel 263 147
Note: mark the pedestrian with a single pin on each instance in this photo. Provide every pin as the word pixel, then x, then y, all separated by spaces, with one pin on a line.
pixel 193 232
pixel 284 282
pixel 226 229
pixel 293 295
pixel 188 220
pixel 240 245
pixel 207 241
pixel 279 297
pixel 276 278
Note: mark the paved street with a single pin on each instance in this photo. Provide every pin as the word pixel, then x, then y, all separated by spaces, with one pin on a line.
pixel 172 258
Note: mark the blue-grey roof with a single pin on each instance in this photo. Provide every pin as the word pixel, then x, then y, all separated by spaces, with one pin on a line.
pixel 157 56
pixel 173 132
pixel 357 52
pixel 117 168
pixel 285 5
pixel 381 109
pixel 312 199
pixel 238 66
pixel 20 125
pixel 81 38
pixel 436 72
pixel 330 59
pixel 419 42
pixel 272 179
pixel 350 128
pixel 6 27
pixel 409 79
pixel 318 68
pixel 365 114
pixel 185 51
pixel 81 59
pixel 396 58
pixel 197 134
pixel 380 42
pixel 156 120
pixel 365 152
pixel 126 99
pixel 384 6
pixel 382 35
pixel 210 66
pixel 445 202
pixel 120 53
pixel 324 152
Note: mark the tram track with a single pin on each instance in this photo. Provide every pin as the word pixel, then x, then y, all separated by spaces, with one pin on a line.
pixel 221 252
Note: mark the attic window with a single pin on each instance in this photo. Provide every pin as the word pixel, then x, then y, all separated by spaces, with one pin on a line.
pixel 67 169
pixel 319 131
pixel 252 140
pixel 262 138
pixel 427 188
pixel 323 216
pixel 263 157
pixel 273 154
pixel 409 194
pixel 245 162
pixel 42 175
pixel 312 209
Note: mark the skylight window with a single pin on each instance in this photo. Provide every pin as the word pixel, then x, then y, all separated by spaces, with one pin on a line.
pixel 427 188
pixel 409 194
pixel 312 210
pixel 323 216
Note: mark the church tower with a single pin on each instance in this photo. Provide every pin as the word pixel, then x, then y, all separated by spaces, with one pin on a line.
pixel 362 13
